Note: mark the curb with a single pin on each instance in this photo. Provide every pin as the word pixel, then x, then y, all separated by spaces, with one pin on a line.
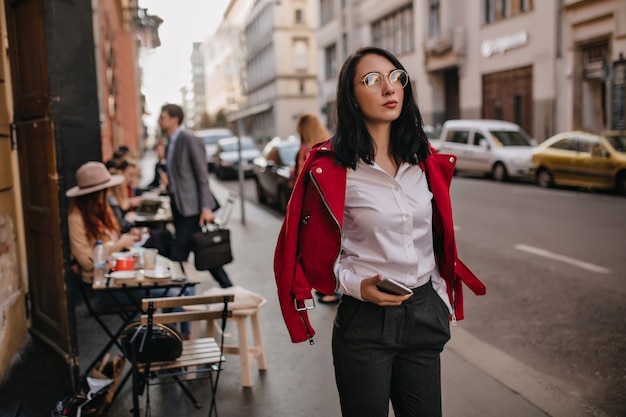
pixel 543 391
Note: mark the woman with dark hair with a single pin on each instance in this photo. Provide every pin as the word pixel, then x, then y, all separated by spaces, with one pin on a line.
pixel 370 216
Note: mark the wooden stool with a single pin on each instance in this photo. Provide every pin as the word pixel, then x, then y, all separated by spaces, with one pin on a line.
pixel 246 306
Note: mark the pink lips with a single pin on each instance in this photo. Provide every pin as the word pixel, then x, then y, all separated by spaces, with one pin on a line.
pixel 391 104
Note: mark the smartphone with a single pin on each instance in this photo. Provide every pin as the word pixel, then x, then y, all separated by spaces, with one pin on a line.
pixel 393 287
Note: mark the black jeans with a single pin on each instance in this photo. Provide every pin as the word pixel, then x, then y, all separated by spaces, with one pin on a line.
pixel 390 353
pixel 185 227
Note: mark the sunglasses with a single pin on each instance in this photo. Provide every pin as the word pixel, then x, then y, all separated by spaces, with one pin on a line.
pixel 373 81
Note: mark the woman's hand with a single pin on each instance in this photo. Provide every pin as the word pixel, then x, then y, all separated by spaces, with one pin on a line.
pixel 371 293
pixel 127 240
pixel 136 201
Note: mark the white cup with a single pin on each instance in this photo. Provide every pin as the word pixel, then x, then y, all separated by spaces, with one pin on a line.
pixel 149 258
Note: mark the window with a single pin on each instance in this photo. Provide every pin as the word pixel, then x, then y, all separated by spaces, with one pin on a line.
pixel 395 31
pixel 433 18
pixel 326 11
pixel 496 10
pixel 477 138
pixel 330 55
pixel 458 136
pixel 509 138
pixel 299 17
pixel 567 144
pixel 300 54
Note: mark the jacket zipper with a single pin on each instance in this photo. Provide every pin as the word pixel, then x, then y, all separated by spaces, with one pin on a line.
pixel 308 331
pixel 334 218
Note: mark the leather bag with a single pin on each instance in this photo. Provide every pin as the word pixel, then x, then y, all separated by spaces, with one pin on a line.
pixel 165 344
pixel 211 248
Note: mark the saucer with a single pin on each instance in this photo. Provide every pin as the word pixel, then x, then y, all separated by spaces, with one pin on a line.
pixel 157 274
pixel 123 274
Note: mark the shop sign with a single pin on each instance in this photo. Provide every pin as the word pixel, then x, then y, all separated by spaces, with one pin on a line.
pixel 503 44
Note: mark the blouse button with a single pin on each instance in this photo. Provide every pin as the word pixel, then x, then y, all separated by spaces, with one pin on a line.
pixel 451 159
pixel 318 170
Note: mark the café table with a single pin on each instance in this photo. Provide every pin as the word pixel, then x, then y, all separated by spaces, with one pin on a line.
pixel 154 212
pixel 125 289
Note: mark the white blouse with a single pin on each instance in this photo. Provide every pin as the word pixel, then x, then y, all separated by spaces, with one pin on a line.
pixel 387 230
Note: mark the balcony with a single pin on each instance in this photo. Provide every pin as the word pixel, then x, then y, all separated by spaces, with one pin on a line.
pixel 445 50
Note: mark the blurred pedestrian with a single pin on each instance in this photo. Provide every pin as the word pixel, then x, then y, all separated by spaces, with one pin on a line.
pixel 121 153
pixel 160 167
pixel 188 186
pixel 312 132
pixel 375 204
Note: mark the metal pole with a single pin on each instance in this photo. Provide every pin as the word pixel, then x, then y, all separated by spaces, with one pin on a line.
pixel 240 133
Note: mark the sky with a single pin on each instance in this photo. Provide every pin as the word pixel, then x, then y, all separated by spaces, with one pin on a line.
pixel 167 68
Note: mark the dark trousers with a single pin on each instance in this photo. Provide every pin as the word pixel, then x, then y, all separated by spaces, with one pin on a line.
pixel 185 227
pixel 390 353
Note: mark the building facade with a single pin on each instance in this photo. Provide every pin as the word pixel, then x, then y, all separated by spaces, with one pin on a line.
pixel 591 77
pixel 549 66
pixel 261 65
pixel 70 99
pixel 281 66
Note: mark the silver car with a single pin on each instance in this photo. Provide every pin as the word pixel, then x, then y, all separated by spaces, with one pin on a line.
pixel 210 138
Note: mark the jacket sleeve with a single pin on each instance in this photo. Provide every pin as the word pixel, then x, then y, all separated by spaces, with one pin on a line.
pixel 197 159
pixel 290 281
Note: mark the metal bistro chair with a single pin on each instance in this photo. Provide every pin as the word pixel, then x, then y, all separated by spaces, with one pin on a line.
pixel 200 358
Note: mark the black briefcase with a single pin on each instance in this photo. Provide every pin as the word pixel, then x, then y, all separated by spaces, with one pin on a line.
pixel 211 248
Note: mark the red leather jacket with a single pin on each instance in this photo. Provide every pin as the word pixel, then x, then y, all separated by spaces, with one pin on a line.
pixel 310 238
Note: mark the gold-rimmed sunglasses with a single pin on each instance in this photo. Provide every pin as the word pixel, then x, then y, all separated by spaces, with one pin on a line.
pixel 373 81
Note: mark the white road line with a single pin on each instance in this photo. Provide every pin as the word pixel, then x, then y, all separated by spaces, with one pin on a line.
pixel 551 255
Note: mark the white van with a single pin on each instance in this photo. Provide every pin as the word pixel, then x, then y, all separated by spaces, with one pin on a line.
pixel 491 147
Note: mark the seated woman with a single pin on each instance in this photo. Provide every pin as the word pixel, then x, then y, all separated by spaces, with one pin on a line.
pixel 90 218
pixel 122 204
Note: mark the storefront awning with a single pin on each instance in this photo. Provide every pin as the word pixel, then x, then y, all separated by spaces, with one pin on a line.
pixel 249 111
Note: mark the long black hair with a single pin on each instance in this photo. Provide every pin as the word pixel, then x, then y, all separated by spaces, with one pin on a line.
pixel 353 141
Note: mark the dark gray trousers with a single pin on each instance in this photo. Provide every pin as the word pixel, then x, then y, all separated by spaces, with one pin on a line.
pixel 390 353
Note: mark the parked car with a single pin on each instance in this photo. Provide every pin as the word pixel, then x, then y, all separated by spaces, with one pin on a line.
pixel 274 169
pixel 496 148
pixel 582 159
pixel 227 156
pixel 433 136
pixel 210 138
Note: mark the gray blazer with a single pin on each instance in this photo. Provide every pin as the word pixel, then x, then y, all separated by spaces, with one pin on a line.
pixel 189 177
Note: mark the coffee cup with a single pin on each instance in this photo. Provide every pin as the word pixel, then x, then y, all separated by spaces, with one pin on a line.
pixel 149 256
pixel 123 264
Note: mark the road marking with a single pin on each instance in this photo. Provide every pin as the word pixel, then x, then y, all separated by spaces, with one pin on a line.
pixel 551 255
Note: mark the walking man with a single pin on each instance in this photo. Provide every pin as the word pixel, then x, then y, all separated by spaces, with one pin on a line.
pixel 188 186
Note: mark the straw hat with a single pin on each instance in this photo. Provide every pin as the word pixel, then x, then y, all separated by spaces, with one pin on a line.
pixel 91 177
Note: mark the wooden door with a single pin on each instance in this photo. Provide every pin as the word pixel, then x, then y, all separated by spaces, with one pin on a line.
pixel 33 129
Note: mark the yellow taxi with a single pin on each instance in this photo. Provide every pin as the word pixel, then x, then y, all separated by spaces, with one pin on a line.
pixel 582 159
